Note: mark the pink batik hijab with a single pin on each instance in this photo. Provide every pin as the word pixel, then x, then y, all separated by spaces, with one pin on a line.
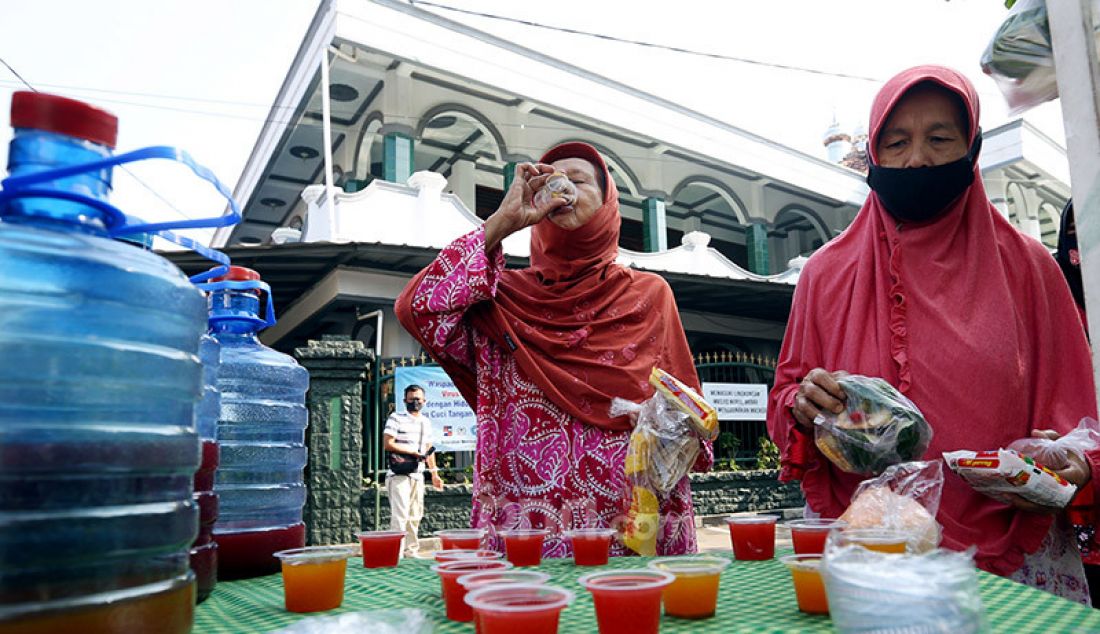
pixel 965 315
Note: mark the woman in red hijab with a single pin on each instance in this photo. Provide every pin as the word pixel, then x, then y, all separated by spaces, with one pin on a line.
pixel 539 353
pixel 933 290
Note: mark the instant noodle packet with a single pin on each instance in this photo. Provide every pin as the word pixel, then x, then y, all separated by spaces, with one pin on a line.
pixel 1002 471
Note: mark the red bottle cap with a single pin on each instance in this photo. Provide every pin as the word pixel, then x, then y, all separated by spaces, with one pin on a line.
pixel 62 115
pixel 238 274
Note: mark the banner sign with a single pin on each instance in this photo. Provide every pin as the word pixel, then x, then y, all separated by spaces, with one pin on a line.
pixel 454 425
pixel 738 401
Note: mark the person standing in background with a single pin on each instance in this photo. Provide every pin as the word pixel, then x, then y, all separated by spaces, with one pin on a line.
pixel 409 432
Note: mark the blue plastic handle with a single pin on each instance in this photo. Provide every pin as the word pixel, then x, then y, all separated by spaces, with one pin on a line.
pixel 241 285
pixel 117 222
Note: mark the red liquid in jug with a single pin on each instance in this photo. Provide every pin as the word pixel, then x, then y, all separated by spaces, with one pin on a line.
pixel 204 552
pixel 247 554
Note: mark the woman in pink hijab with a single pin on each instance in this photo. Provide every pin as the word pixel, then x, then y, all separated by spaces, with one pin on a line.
pixel 933 290
pixel 539 353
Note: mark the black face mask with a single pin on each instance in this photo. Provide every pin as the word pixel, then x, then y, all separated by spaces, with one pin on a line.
pixel 919 194
pixel 414 406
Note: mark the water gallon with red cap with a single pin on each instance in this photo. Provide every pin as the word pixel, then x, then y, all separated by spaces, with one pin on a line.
pixel 261 432
pixel 99 379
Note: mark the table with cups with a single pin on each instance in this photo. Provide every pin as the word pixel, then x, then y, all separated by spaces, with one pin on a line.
pixel 756 589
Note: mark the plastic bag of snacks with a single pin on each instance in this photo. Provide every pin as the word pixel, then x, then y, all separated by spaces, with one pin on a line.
pixel 877 592
pixel 1055 453
pixel 1001 471
pixel 663 446
pixel 1020 57
pixel 879 427
pixel 905 497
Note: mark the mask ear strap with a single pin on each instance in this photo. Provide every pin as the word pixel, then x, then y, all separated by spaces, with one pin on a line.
pixel 975 147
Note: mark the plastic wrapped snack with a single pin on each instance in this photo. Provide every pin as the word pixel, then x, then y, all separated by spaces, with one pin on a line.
pixel 663 446
pixel 878 428
pixel 905 497
pixel 999 472
pixel 557 186
pixel 1055 453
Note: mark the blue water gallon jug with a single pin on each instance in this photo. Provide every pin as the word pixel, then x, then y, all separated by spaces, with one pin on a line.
pixel 99 380
pixel 261 436
pixel 204 552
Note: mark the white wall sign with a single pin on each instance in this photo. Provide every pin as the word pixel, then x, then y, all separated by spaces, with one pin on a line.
pixel 738 401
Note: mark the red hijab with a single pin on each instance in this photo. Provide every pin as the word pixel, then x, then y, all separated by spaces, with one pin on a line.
pixel 965 315
pixel 583 328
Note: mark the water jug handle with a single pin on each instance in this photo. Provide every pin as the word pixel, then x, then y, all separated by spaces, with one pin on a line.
pixel 245 285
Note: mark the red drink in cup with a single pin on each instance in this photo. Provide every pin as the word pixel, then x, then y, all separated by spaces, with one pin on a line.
pixel 469 538
pixel 454 554
pixel 523 546
pixel 627 601
pixel 381 549
pixel 484 578
pixel 453 594
pixel 753 536
pixel 522 608
pixel 809 535
pixel 591 546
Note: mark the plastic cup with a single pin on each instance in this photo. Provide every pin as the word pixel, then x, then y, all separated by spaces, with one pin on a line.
pixel 313 577
pixel 753 536
pixel 694 593
pixel 469 538
pixel 809 535
pixel 591 546
pixel 627 601
pixel 381 549
pixel 883 540
pixel 524 608
pixel 809 588
pixel 474 580
pixel 450 571
pixel 523 546
pixel 456 554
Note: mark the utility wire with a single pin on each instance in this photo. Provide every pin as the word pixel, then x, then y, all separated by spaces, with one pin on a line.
pixel 621 40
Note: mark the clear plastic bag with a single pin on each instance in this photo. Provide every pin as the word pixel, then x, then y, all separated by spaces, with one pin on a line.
pixel 879 427
pixel 906 497
pixel 396 621
pixel 887 593
pixel 1020 57
pixel 1055 453
pixel 663 447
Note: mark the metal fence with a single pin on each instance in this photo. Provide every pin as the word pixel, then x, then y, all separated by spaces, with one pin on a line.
pixel 737 446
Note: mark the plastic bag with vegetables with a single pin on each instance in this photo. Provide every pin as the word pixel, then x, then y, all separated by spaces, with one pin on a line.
pixel 878 428
pixel 663 446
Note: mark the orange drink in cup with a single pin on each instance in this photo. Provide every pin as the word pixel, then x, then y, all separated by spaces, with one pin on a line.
pixel 809 535
pixel 523 546
pixel 453 594
pixel 313 577
pixel 694 592
pixel 475 580
pixel 381 549
pixel 469 538
pixel 518 608
pixel 753 536
pixel 627 601
pixel 591 546
pixel 883 540
pixel 809 589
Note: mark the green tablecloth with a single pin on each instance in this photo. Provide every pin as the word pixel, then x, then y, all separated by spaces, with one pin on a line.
pixel 755 596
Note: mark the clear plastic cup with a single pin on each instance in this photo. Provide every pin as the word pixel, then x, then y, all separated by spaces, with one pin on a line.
pixel 474 580
pixel 809 535
pixel 381 549
pixel 524 608
pixel 591 546
pixel 523 546
pixel 455 554
pixel 809 588
pixel 627 601
pixel 753 536
pixel 313 577
pixel 883 540
pixel 468 538
pixel 450 571
pixel 694 593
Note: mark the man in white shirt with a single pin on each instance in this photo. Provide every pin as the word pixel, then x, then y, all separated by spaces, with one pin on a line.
pixel 409 433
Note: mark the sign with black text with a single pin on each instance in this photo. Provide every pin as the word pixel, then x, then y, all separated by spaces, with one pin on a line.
pixel 738 401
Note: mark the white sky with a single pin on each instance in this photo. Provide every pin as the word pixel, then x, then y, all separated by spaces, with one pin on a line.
pixel 202 74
